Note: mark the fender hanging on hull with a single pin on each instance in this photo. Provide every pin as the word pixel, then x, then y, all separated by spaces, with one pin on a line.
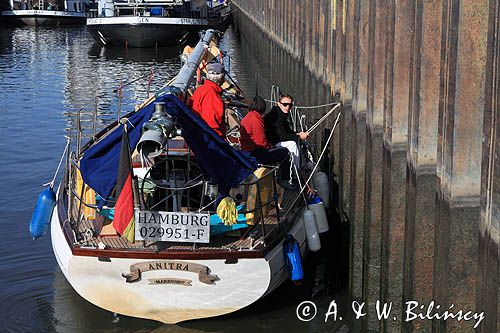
pixel 42 213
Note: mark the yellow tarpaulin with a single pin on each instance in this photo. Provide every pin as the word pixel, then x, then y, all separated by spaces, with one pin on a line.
pixel 266 194
pixel 88 197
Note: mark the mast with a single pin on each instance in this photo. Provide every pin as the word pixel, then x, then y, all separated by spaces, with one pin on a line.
pixel 188 70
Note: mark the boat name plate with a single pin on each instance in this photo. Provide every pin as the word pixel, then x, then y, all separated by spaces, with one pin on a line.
pixel 136 270
pixel 172 226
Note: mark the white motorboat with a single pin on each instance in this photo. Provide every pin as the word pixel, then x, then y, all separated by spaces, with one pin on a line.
pixel 150 23
pixel 42 13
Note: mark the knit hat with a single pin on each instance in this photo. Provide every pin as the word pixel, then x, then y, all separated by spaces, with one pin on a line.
pixel 216 68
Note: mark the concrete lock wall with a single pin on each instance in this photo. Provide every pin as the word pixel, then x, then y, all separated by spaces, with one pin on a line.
pixel 416 158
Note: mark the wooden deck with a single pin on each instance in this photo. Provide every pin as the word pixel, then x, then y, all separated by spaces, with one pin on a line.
pixel 245 243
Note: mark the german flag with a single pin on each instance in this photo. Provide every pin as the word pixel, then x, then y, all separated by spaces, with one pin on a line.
pixel 123 221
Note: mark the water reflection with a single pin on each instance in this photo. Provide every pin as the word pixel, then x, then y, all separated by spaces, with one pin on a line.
pixel 72 313
pixel 136 55
pixel 95 86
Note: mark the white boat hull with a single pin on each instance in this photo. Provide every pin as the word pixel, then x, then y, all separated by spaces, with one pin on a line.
pixel 100 281
pixel 43 17
pixel 146 31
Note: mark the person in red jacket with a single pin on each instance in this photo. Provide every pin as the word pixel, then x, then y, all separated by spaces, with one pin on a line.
pixel 253 139
pixel 207 101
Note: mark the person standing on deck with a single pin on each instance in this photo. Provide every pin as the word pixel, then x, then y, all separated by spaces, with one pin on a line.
pixel 208 104
pixel 207 101
pixel 253 139
pixel 278 129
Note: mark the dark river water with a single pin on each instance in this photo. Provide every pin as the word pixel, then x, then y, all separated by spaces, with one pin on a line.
pixel 46 77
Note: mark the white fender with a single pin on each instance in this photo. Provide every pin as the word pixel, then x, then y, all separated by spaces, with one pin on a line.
pixel 320 213
pixel 322 185
pixel 313 240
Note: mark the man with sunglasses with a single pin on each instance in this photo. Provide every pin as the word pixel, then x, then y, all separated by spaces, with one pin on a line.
pixel 278 130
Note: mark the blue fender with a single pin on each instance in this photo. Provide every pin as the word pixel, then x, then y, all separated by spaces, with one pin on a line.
pixel 293 259
pixel 42 213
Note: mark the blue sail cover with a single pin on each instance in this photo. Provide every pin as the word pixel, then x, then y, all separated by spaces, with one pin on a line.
pixel 219 161
pixel 99 165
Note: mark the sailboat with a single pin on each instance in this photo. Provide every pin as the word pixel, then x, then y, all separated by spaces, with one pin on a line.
pixel 178 260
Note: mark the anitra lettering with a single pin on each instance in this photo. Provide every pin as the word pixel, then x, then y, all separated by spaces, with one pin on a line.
pixel 174 266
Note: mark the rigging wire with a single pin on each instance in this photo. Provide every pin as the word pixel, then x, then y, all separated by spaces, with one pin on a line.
pixel 316 166
pixel 68 140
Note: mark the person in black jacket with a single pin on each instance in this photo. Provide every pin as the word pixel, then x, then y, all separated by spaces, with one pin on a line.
pixel 278 130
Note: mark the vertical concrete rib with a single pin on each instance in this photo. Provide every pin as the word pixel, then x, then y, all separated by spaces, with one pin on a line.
pixel 306 9
pixel 329 44
pixel 315 65
pixel 334 65
pixel 358 136
pixel 331 47
pixel 299 31
pixel 289 23
pixel 377 27
pixel 421 176
pixel 488 291
pixel 355 255
pixel 321 43
pixel 337 46
pixel 445 131
pixel 282 14
pixel 330 50
pixel 459 155
pixel 314 39
pixel 306 38
pixel 400 20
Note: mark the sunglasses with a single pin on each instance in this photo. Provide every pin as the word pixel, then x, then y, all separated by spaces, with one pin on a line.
pixel 287 104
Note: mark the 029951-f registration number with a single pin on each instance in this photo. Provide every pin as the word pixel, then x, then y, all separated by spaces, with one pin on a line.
pixel 172 226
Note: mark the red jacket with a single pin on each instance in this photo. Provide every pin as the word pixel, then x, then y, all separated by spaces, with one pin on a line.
pixel 252 132
pixel 208 104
